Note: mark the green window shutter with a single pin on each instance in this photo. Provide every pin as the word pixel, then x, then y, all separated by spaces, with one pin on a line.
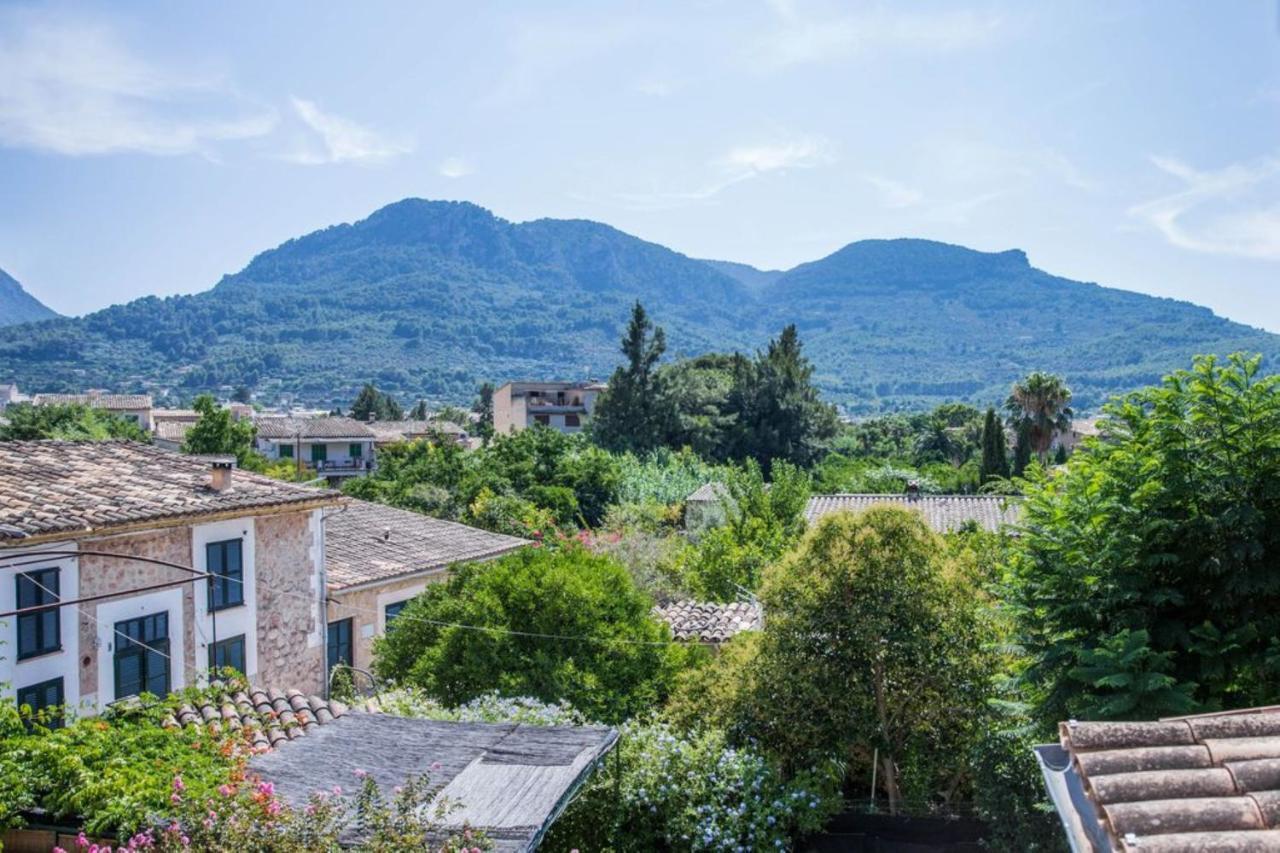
pixel 319 453
pixel 356 450
pixel 286 451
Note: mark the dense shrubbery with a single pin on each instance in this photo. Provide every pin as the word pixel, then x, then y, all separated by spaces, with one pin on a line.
pixel 617 662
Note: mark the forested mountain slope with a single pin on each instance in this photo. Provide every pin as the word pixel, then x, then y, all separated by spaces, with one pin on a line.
pixel 18 306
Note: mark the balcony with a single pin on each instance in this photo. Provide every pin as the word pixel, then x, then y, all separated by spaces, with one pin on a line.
pixel 339 467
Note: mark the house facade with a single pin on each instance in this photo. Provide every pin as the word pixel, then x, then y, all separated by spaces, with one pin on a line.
pixel 132 407
pixel 378 558
pixel 176 565
pixel 563 406
pixel 336 448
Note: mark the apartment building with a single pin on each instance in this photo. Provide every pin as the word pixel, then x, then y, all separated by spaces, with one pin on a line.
pixel 563 406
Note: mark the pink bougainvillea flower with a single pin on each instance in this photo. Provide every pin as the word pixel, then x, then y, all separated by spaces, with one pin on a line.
pixel 266 789
pixel 360 774
pixel 436 765
pixel 226 790
pixel 178 784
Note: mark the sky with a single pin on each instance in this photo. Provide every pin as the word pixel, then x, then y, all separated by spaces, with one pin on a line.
pixel 150 148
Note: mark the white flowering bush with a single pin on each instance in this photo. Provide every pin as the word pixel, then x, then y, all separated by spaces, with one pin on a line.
pixel 485 708
pixel 693 791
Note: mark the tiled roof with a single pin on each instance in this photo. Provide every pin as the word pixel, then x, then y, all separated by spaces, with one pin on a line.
pixel 101 401
pixel 158 415
pixel 944 513
pixel 708 493
pixel 709 622
pixel 369 542
pixel 61 489
pixel 1210 782
pixel 327 427
pixel 392 431
pixel 273 716
pixel 172 430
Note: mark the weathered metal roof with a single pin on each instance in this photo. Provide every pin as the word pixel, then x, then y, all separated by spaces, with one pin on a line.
pixel 510 780
pixel 944 513
pixel 1210 782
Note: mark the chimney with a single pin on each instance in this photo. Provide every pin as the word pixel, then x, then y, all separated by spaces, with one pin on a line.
pixel 220 474
pixel 913 490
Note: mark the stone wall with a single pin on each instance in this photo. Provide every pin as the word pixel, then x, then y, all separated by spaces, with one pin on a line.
pixel 290 652
pixel 106 574
pixel 363 607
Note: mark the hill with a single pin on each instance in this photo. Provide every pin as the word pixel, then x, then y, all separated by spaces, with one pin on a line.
pixel 18 306
pixel 428 298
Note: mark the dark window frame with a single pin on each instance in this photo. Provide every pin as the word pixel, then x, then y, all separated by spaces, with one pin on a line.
pixel 227 589
pixel 334 647
pixel 126 645
pixel 224 648
pixel 319 452
pixel 355 450
pixel 391 611
pixel 571 419
pixel 47 622
pixel 286 451
pixel 29 694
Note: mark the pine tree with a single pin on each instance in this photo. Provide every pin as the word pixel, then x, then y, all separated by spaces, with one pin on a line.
pixel 995 453
pixel 483 407
pixel 634 412
pixel 419 411
pixel 372 404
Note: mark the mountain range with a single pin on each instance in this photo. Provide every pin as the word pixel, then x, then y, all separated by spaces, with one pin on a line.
pixel 429 298
pixel 18 306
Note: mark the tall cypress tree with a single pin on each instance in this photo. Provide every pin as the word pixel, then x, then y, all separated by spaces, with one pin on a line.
pixel 1022 449
pixel 633 413
pixel 995 452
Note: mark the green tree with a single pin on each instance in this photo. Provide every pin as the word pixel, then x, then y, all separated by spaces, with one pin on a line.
pixel 372 404
pixel 1145 578
pixel 218 432
pixel 419 411
pixel 1022 448
pixel 634 413
pixel 72 422
pixel 483 407
pixel 874 651
pixel 995 455
pixel 242 394
pixel 778 411
pixel 556 624
pixel 1039 408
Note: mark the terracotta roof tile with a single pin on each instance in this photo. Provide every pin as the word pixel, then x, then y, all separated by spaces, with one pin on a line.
pixel 61 489
pixel 1198 783
pixel 369 542
pixel 709 622
pixel 273 716
pixel 944 513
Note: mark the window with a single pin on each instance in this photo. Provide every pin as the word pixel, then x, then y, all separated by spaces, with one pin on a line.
pixel 228 652
pixel 319 453
pixel 224 559
pixel 38 633
pixel 356 450
pixel 142 655
pixel 391 611
pixel 286 451
pixel 542 419
pixel 571 420
pixel 47 695
pixel 340 651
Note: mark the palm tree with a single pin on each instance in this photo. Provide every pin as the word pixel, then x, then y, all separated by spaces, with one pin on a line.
pixel 1038 408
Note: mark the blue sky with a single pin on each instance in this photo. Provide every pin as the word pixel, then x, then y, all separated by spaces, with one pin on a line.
pixel 152 147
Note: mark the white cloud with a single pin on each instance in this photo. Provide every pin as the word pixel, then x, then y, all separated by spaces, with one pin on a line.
pixel 455 167
pixel 340 140
pixel 893 193
pixel 797 153
pixel 1230 211
pixel 74 89
pixel 802 38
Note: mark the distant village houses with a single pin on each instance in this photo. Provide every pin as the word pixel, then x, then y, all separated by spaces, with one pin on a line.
pixel 135 408
pixel 337 448
pixel 563 406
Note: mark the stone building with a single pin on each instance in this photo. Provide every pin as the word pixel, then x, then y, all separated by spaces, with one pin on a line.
pixel 379 557
pixel 177 564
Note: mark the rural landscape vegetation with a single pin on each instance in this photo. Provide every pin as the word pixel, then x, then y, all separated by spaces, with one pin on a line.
pixel 940 516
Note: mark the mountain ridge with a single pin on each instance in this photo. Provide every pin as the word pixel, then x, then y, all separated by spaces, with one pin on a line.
pixel 19 306
pixel 427 298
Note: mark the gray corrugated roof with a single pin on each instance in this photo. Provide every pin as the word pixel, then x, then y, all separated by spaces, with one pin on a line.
pixel 75 487
pixel 510 780
pixel 327 427
pixel 1209 782
pixel 944 513
pixel 711 622
pixel 370 542
pixel 708 493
